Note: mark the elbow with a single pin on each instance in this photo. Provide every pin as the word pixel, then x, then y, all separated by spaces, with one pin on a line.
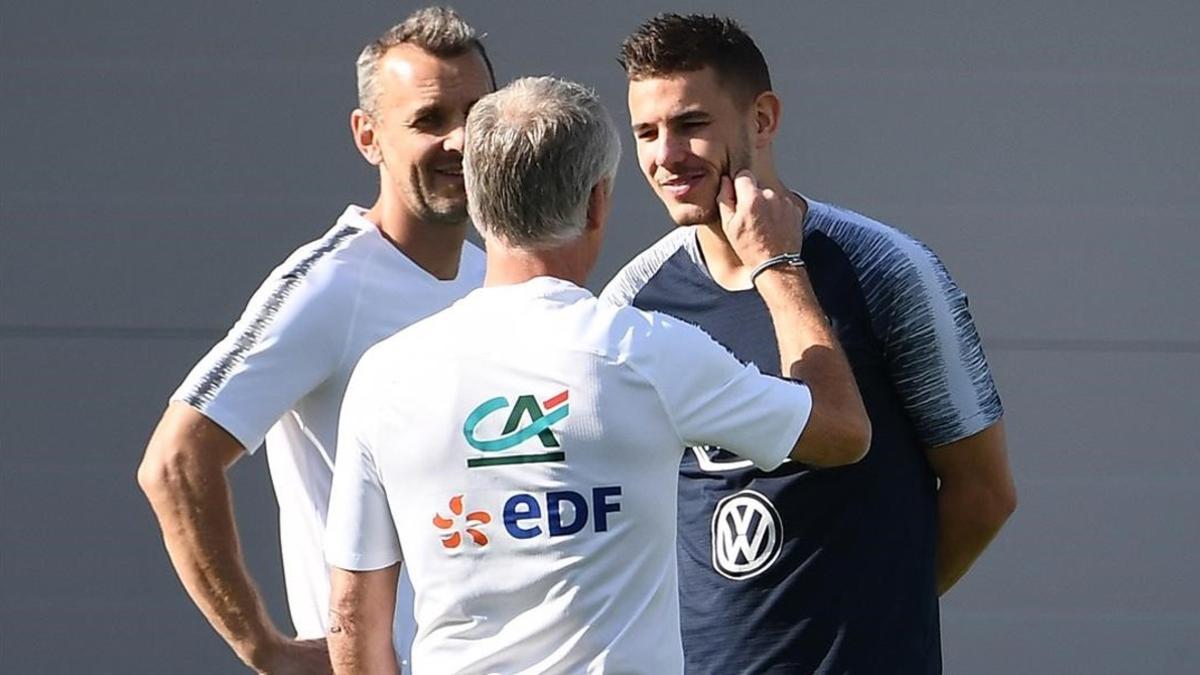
pixel 856 441
pixel 157 474
pixel 854 432
pixel 992 507
pixel 831 441
pixel 165 471
pixel 851 442
pixel 1004 504
pixel 998 502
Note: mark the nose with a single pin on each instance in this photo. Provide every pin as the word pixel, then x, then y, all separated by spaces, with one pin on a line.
pixel 453 142
pixel 670 149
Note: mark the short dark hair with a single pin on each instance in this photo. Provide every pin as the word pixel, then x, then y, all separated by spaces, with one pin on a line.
pixel 437 30
pixel 674 43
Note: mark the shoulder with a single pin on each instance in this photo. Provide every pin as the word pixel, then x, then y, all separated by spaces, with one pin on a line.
pixel 870 245
pixel 308 299
pixel 327 265
pixel 626 284
pixel 641 338
pixel 886 260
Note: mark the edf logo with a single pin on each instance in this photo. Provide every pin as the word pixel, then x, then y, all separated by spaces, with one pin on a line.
pixel 523 512
pixel 558 513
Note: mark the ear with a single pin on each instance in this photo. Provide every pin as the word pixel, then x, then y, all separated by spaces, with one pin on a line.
pixel 598 204
pixel 767 110
pixel 363 129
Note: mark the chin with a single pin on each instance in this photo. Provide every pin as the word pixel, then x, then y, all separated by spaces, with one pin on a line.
pixel 689 214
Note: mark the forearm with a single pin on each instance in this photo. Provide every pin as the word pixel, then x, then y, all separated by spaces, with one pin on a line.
pixel 183 477
pixel 968 520
pixel 809 351
pixel 976 495
pixel 361 608
pixel 199 531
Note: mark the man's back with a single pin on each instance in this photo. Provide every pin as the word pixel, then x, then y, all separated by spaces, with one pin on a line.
pixel 526 443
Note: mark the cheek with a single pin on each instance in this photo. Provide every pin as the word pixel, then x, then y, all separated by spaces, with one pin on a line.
pixel 707 150
pixel 406 149
pixel 645 157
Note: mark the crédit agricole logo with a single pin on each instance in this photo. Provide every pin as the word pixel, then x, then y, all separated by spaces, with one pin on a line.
pixel 541 417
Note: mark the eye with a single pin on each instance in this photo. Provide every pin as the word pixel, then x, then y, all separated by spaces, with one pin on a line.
pixel 428 122
pixel 645 134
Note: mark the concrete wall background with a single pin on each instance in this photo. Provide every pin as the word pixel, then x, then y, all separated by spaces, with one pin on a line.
pixel 157 159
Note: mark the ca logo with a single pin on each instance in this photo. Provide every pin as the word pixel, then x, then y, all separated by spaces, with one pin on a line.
pixel 747 535
pixel 541 418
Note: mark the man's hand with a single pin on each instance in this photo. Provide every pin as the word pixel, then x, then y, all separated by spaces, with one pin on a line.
pixel 761 224
pixel 298 657
pixel 758 223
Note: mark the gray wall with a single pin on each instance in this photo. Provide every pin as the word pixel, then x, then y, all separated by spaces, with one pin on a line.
pixel 157 159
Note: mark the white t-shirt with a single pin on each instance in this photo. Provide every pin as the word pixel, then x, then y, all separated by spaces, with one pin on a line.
pixel 523 448
pixel 281 372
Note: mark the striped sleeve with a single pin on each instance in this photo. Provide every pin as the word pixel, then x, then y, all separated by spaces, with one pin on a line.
pixel 287 341
pixel 931 345
pixel 628 282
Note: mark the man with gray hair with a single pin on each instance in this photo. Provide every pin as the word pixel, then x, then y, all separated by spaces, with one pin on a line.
pixel 281 371
pixel 519 450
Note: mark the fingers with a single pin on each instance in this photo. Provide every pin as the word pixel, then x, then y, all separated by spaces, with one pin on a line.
pixel 746 186
pixel 726 203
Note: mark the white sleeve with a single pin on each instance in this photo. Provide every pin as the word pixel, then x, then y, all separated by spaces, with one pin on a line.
pixel 290 338
pixel 713 399
pixel 360 533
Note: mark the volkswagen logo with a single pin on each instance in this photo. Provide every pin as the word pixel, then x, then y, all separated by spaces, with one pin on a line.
pixel 747 535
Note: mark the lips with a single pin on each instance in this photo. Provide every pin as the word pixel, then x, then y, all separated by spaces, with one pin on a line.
pixel 680 186
pixel 450 175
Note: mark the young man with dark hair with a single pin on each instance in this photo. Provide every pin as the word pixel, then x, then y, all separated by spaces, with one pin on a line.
pixel 801 569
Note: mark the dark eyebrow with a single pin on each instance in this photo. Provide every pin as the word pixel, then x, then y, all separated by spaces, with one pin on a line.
pixel 690 116
pixel 682 118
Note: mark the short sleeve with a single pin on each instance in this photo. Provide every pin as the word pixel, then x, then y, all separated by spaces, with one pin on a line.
pixel 629 281
pixel 360 533
pixel 287 342
pixel 713 399
pixel 934 352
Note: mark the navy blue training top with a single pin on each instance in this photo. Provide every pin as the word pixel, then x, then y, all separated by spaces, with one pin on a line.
pixel 806 570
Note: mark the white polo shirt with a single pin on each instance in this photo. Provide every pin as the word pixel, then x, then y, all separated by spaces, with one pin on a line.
pixel 522 447
pixel 281 372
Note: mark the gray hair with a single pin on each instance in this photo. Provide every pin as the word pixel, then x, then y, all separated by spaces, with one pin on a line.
pixel 533 152
pixel 437 30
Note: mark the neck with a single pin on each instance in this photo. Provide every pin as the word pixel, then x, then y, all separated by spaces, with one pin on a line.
pixel 434 247
pixel 725 267
pixel 507 266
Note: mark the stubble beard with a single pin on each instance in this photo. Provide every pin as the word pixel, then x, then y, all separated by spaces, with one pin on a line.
pixel 432 208
pixel 736 158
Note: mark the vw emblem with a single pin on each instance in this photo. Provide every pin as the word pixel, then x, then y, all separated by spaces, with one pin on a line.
pixel 747 535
